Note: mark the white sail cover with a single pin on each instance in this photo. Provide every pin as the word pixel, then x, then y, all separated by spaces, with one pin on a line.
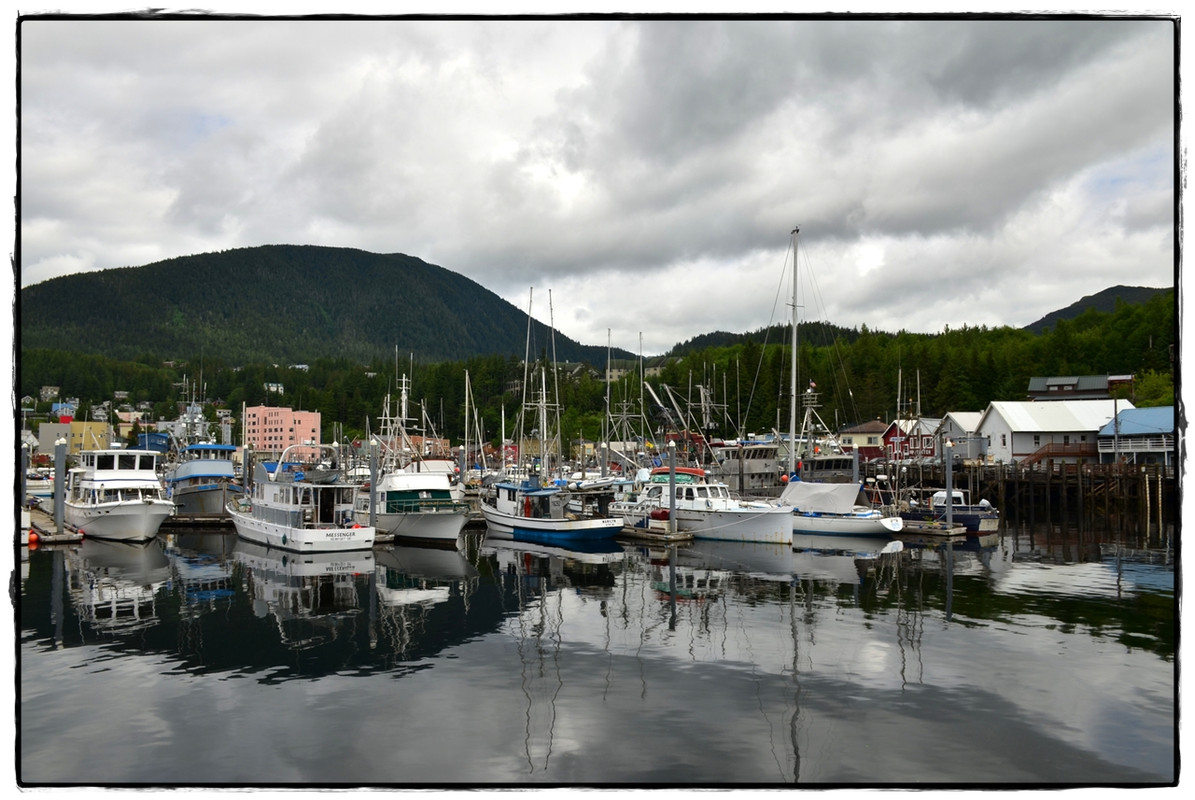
pixel 824 498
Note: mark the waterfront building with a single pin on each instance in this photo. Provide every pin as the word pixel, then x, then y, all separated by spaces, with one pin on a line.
pixel 1139 436
pixel 1063 431
pixel 959 428
pixel 272 429
pixel 867 439
pixel 912 439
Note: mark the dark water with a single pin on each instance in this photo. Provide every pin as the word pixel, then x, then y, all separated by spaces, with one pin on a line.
pixel 1045 659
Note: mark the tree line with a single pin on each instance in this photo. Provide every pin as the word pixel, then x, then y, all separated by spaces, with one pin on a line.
pixel 745 379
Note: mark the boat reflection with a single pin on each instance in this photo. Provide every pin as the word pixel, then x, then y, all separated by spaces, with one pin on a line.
pixel 307 594
pixel 408 574
pixel 201 568
pixel 552 585
pixel 114 585
pixel 545 567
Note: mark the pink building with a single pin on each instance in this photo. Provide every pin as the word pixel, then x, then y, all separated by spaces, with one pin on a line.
pixel 272 429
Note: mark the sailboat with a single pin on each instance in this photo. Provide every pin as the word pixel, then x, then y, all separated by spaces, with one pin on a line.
pixel 823 494
pixel 538 508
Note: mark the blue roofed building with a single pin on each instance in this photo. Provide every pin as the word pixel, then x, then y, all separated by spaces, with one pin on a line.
pixel 1139 436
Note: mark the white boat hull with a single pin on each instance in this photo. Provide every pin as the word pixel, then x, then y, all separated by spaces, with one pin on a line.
pixel 434 526
pixel 747 523
pixel 752 525
pixel 412 505
pixel 127 521
pixel 315 539
pixel 846 524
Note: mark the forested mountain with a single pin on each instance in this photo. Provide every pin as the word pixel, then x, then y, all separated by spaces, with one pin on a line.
pixel 1100 301
pixel 243 320
pixel 281 304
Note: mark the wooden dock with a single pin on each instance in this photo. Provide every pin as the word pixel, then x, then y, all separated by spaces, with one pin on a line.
pixel 43 525
pixel 196 520
pixel 930 534
pixel 657 531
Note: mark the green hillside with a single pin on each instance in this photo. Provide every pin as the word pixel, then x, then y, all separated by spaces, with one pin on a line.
pixel 281 304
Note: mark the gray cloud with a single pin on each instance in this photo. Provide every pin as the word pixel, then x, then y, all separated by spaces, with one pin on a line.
pixel 648 171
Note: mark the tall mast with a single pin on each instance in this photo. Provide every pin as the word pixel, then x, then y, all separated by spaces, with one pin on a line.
pixel 792 399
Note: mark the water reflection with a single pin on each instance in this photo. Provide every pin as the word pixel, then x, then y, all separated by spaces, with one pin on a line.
pixel 705 662
pixel 114 585
pixel 309 596
pixel 412 584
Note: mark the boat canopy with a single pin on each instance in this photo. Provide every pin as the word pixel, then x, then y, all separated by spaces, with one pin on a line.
pixel 828 498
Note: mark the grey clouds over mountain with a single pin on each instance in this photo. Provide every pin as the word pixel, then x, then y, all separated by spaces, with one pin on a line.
pixel 644 173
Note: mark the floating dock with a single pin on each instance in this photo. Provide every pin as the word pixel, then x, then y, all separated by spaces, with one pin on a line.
pixel 930 534
pixel 656 531
pixel 43 525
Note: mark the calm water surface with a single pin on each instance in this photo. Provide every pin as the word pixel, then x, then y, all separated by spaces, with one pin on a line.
pixel 198 659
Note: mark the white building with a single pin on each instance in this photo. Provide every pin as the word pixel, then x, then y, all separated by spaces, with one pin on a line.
pixel 1063 430
pixel 959 428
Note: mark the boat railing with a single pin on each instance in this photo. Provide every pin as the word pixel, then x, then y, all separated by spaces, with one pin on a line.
pixel 420 505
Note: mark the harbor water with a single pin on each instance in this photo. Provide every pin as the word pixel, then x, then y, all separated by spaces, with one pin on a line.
pixel 1043 658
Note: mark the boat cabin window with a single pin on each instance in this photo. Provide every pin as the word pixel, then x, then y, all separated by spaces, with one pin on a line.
pixel 701 491
pixel 105 461
pixel 127 461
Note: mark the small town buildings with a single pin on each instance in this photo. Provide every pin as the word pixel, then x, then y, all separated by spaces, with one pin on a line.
pixel 79 436
pixel 1028 432
pixel 867 439
pixel 912 439
pixel 1139 436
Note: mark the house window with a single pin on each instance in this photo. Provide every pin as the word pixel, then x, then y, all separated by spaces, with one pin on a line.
pixel 1066 438
pixel 1004 440
pixel 1037 440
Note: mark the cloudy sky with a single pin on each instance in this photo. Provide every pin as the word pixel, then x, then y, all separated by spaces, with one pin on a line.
pixel 645 173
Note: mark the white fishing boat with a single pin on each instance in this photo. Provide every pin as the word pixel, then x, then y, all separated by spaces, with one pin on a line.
pixel 410 499
pixel 115 494
pixel 412 505
pixel 705 509
pixel 831 509
pixel 285 508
